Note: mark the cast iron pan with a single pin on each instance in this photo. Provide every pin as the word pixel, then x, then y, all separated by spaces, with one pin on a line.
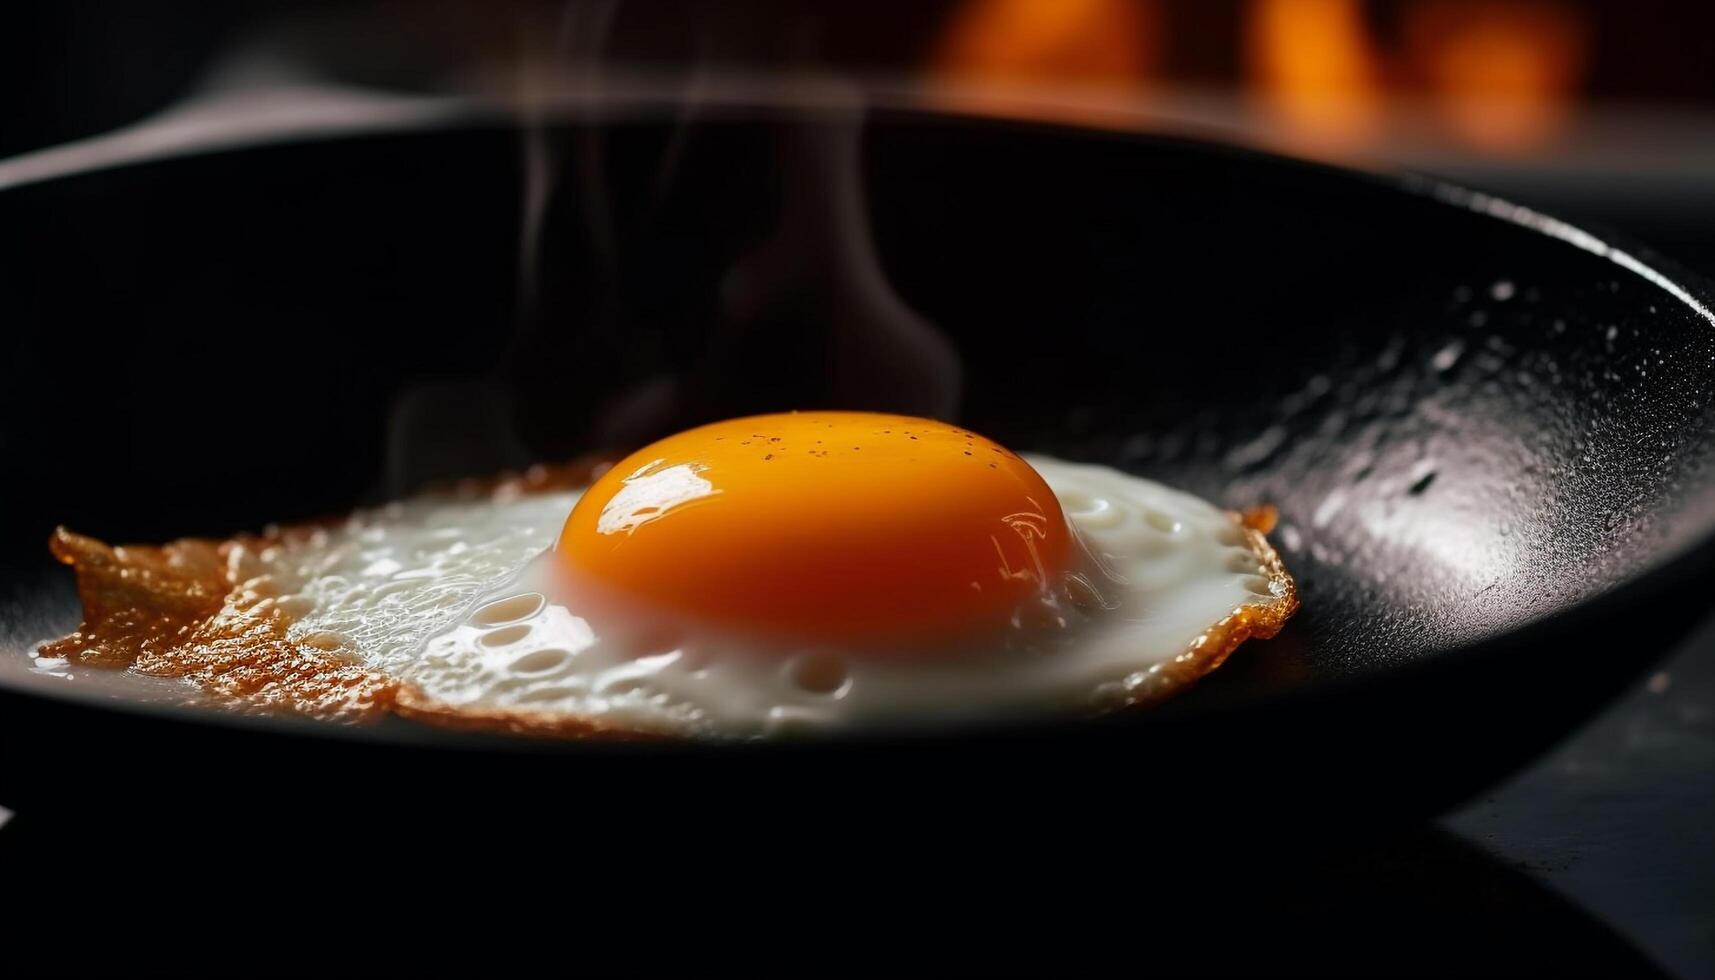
pixel 1488 435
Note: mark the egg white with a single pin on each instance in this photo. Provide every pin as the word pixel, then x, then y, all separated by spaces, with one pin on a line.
pixel 465 602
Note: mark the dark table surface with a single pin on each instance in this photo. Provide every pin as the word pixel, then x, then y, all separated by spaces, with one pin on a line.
pixel 1620 819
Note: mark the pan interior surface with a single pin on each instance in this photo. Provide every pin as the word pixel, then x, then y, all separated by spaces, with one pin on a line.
pixel 1467 425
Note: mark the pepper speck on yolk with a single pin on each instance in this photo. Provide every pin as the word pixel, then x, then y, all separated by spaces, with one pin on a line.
pixel 847 526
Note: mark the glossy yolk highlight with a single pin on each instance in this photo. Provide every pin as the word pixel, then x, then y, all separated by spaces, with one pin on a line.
pixel 845 526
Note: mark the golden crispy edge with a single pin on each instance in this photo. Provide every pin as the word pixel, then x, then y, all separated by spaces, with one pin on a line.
pixel 1261 619
pixel 187 609
pixel 180 610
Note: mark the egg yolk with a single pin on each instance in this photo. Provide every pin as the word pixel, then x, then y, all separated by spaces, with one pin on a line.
pixel 824 525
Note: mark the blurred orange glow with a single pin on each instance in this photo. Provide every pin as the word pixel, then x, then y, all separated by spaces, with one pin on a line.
pixel 1094 42
pixel 1501 75
pixel 1332 78
pixel 1311 65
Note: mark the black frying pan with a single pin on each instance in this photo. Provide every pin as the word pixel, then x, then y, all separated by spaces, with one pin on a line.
pixel 1488 434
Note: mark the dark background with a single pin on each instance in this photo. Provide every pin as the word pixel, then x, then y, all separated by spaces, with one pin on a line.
pixel 1599 113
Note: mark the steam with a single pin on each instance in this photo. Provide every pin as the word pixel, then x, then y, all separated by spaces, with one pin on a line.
pixel 814 289
pixel 440 430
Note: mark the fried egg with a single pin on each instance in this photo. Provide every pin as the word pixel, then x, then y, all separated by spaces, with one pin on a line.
pixel 795 573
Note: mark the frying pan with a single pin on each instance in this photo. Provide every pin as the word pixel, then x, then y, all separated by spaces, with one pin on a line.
pixel 1487 434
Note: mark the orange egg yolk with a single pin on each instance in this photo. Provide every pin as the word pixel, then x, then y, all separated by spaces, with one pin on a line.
pixel 843 526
